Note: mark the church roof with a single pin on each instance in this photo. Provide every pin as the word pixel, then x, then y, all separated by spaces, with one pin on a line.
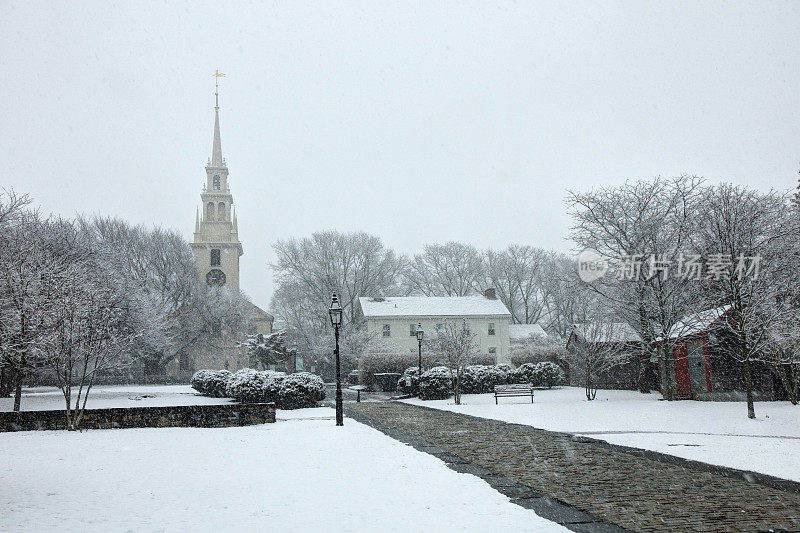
pixel 260 312
pixel 432 306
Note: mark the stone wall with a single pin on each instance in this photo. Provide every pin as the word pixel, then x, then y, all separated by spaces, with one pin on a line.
pixel 206 416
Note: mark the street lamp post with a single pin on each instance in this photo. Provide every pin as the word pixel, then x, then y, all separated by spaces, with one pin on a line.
pixel 335 312
pixel 420 335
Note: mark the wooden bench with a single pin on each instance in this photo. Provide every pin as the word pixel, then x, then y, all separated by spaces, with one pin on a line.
pixel 512 390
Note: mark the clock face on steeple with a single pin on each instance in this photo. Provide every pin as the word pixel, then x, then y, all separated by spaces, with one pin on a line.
pixel 215 277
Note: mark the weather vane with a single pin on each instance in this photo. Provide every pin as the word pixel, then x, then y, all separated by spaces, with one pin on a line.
pixel 217 76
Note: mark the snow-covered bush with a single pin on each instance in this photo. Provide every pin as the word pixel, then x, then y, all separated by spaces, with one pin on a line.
pixel 211 382
pixel 302 389
pixel 272 385
pixel 505 368
pixel 526 374
pixel 543 374
pixel 436 383
pixel 478 379
pixel 248 386
pixel 411 375
pixel 549 374
pixel 218 382
pixel 201 381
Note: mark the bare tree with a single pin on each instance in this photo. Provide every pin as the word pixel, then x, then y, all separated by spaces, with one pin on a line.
pixel 600 346
pixel 450 269
pixel 34 261
pixel 745 237
pixel 12 208
pixel 186 316
pixel 458 346
pixel 95 324
pixel 568 299
pixel 517 273
pixel 641 229
pixel 349 264
pixel 308 270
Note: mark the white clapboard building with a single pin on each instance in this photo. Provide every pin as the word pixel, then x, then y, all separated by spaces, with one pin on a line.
pixel 394 319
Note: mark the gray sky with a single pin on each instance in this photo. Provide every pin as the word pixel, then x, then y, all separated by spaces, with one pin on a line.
pixel 418 122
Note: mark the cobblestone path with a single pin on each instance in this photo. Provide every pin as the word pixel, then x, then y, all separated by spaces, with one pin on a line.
pixel 632 492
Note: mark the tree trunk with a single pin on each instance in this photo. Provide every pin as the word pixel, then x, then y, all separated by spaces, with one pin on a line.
pixel 789 381
pixel 748 384
pixel 18 375
pixel 591 392
pixel 6 381
pixel 644 372
pixel 668 377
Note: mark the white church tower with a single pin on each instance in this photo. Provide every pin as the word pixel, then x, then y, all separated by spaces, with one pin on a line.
pixel 216 243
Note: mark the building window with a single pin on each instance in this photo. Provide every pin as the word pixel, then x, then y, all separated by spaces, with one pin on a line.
pixel 387 330
pixel 493 351
pixel 491 328
pixel 216 329
pixel 221 211
pixel 215 257
pixel 439 327
pixel 216 183
pixel 412 330
pixel 210 212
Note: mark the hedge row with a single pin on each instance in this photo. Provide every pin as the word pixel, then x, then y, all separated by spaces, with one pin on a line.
pixel 437 382
pixel 293 391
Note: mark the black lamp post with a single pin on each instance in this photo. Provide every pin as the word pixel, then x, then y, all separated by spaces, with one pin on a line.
pixel 335 311
pixel 420 335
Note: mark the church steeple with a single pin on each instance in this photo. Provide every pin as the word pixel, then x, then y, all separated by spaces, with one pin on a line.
pixel 216 243
pixel 216 151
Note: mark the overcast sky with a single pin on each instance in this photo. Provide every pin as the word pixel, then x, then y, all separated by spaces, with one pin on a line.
pixel 418 122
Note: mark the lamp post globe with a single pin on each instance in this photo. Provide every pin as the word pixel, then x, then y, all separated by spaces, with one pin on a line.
pixel 335 313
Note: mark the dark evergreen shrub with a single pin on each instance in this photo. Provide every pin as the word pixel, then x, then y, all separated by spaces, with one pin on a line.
pixel 409 381
pixel 247 386
pixel 549 374
pixel 201 381
pixel 218 383
pixel 526 374
pixel 301 389
pixel 436 384
pixel 479 379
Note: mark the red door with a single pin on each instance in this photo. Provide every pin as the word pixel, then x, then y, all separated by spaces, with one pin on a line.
pixel 683 387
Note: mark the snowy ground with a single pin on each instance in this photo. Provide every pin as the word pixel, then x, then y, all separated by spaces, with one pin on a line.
pixel 712 432
pixel 300 474
pixel 51 398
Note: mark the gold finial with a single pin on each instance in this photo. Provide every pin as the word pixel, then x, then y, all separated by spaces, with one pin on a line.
pixel 217 76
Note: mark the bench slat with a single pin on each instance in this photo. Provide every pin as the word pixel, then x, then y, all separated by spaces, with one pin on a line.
pixel 507 391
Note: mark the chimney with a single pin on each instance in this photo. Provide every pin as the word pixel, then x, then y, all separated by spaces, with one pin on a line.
pixel 490 294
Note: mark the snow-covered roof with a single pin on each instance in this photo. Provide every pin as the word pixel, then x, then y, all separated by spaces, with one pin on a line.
pixel 608 332
pixel 518 332
pixel 697 322
pixel 432 306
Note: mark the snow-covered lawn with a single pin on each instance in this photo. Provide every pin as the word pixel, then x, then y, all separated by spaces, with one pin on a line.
pixel 103 396
pixel 300 474
pixel 712 432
